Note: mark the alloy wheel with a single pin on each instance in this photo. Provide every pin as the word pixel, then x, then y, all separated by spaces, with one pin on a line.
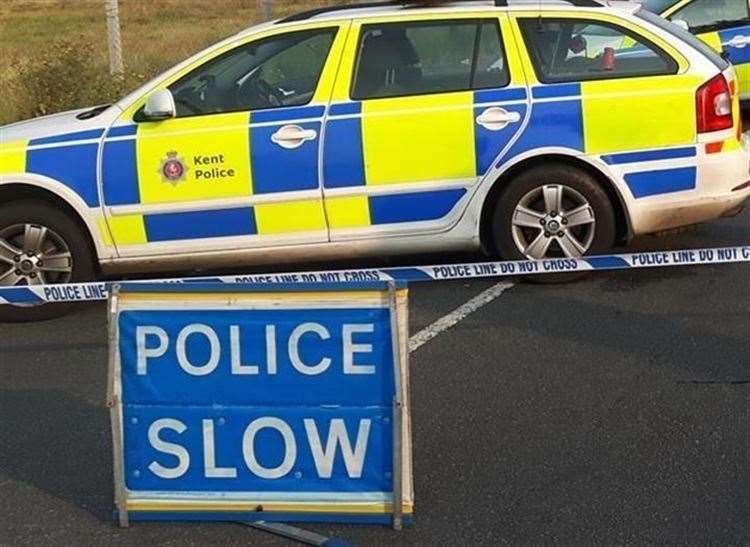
pixel 33 254
pixel 553 221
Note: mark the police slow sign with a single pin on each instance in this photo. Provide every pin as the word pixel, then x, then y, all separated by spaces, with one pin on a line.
pixel 273 403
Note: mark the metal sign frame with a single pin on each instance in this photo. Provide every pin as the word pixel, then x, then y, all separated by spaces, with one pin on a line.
pixel 394 298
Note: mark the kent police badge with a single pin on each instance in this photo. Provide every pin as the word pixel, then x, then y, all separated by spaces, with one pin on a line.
pixel 173 169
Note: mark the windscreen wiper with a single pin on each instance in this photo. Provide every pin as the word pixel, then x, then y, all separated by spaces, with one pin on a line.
pixel 93 113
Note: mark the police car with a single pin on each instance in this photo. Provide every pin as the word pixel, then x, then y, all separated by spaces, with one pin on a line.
pixel 722 24
pixel 530 129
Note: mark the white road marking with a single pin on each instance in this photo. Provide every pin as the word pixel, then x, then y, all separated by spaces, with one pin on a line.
pixel 456 316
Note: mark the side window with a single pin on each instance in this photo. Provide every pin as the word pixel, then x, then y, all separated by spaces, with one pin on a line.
pixel 705 15
pixel 401 59
pixel 572 50
pixel 271 73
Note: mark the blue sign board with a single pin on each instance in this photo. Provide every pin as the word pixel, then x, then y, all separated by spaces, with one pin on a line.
pixel 285 403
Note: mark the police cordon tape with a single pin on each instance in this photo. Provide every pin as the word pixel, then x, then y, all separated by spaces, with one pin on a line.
pixel 88 292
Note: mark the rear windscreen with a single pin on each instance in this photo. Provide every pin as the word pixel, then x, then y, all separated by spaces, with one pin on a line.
pixel 685 36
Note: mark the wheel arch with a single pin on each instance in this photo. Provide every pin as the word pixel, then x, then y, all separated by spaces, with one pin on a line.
pixel 622 218
pixel 13 189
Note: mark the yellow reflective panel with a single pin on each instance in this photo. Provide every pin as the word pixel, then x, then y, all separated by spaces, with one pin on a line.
pixel 736 109
pixel 421 138
pixel 13 157
pixel 128 229
pixel 345 73
pixel 355 508
pixel 524 57
pixel 713 39
pixel 330 70
pixel 731 145
pixel 743 75
pixel 512 53
pixel 296 216
pixel 639 113
pixel 198 158
pixel 348 212
pixel 106 237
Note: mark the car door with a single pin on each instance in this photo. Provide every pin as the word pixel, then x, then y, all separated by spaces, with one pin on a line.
pixel 421 109
pixel 238 165
pixel 724 25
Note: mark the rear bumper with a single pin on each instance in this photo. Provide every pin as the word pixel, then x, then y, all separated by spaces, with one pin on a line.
pixel 721 190
pixel 688 213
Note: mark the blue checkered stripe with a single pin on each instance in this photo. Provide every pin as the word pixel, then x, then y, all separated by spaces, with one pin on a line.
pixel 344 153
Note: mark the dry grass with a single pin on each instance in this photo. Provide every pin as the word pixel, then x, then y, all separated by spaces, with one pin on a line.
pixel 53 53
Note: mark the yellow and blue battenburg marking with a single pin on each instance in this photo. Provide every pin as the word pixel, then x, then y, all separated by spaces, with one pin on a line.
pixel 738 55
pixel 554 106
pixel 730 42
pixel 578 115
pixel 401 141
pixel 659 181
pixel 373 152
pixel 70 159
pixel 234 157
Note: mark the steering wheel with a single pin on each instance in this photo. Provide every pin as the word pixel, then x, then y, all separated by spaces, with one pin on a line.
pixel 259 93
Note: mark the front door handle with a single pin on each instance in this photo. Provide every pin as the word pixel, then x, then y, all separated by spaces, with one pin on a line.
pixel 739 42
pixel 293 136
pixel 496 118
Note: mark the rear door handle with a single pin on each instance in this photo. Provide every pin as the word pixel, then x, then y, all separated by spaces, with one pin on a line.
pixel 496 118
pixel 739 42
pixel 293 136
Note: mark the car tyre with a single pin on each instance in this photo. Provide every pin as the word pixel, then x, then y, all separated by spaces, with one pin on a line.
pixel 526 225
pixel 48 233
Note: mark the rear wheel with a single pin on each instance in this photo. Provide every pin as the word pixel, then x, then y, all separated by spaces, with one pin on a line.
pixel 40 245
pixel 553 211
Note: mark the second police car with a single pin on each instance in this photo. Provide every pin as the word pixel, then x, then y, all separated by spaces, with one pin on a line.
pixel 528 129
pixel 722 24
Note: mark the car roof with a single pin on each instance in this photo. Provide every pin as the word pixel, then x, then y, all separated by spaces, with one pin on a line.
pixel 373 9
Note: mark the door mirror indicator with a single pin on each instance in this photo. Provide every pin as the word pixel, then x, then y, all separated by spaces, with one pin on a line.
pixel 160 106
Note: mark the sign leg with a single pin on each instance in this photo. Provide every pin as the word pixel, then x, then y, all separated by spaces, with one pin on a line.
pixel 297 534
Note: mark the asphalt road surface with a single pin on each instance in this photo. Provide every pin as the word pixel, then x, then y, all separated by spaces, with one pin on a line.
pixel 611 410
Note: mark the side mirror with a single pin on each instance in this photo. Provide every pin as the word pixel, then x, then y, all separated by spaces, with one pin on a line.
pixel 682 24
pixel 160 106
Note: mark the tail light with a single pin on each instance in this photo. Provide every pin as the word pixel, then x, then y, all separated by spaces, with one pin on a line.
pixel 714 105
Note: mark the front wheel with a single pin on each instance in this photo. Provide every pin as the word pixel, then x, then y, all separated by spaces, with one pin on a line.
pixel 553 211
pixel 40 245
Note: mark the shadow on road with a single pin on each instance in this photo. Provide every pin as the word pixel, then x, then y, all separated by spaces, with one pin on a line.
pixel 58 444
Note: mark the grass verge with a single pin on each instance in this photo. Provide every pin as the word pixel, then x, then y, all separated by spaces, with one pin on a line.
pixel 53 53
